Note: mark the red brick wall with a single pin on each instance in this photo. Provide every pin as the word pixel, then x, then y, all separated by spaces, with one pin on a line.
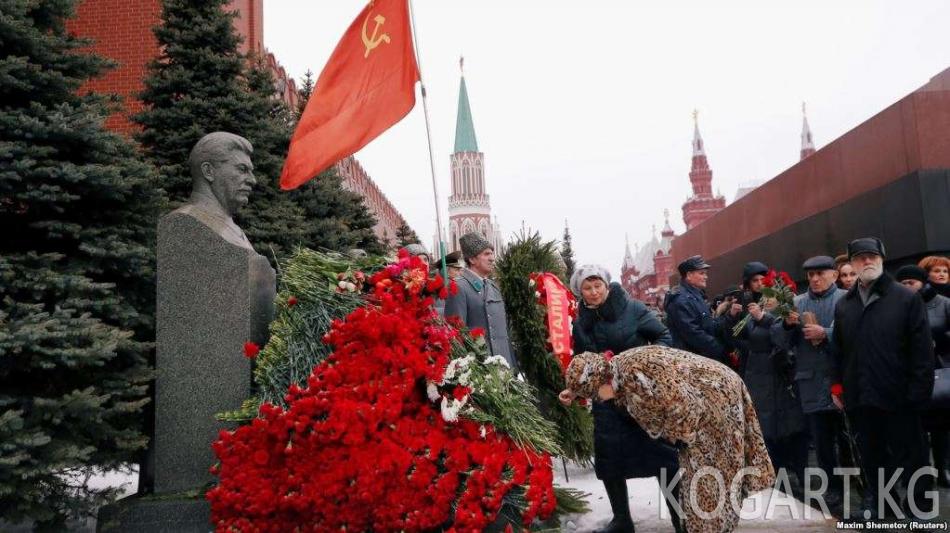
pixel 250 24
pixel 909 135
pixel 121 31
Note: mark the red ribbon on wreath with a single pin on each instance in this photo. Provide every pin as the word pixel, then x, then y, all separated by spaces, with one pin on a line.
pixel 560 307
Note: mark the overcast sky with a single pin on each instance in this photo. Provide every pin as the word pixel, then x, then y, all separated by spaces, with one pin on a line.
pixel 584 109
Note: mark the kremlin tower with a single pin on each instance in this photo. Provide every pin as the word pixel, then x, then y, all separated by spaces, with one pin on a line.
pixel 469 208
pixel 808 146
pixel 702 204
pixel 645 273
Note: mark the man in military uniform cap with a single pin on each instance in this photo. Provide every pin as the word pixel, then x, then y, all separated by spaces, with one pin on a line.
pixel 453 263
pixel 689 318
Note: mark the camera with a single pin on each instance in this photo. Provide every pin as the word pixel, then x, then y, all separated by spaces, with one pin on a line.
pixel 746 298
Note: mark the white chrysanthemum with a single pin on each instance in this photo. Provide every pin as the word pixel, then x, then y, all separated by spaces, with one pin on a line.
pixel 497 360
pixel 432 391
pixel 342 285
pixel 465 378
pixel 450 408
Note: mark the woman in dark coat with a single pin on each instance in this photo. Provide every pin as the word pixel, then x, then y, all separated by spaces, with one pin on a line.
pixel 916 279
pixel 766 368
pixel 609 320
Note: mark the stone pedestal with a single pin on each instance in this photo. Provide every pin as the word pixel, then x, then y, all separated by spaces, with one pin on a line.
pixel 213 296
pixel 151 515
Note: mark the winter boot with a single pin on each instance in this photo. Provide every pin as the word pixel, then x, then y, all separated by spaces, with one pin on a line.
pixel 622 522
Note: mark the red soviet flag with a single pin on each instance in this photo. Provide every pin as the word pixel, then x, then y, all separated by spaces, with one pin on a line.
pixel 367 86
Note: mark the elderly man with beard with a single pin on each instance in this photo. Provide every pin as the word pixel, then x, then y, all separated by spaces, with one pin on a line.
pixel 884 373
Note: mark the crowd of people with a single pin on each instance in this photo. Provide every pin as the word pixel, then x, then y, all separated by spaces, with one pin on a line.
pixel 849 372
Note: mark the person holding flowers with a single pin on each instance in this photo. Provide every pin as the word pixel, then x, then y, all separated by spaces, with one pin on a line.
pixel 765 370
pixel 808 330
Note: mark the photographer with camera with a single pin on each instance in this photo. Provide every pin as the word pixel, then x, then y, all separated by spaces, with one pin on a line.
pixel 765 368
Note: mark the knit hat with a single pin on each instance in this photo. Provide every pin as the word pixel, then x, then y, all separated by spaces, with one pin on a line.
pixel 416 249
pixel 911 272
pixel 753 269
pixel 585 272
pixel 473 244
pixel 586 373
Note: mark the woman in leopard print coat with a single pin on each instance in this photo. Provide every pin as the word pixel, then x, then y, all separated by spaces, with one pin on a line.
pixel 697 404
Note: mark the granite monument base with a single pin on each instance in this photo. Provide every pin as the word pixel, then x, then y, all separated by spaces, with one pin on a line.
pixel 213 296
pixel 155 514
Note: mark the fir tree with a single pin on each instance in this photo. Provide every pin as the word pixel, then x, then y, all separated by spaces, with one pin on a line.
pixel 337 219
pixel 405 235
pixel 77 210
pixel 567 253
pixel 273 220
pixel 304 92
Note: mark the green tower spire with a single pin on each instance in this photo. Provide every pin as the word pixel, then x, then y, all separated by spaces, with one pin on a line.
pixel 464 128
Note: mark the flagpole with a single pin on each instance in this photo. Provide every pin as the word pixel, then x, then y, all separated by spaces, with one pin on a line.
pixel 425 111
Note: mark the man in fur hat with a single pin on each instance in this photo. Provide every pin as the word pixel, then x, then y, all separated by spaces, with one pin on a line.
pixel 478 302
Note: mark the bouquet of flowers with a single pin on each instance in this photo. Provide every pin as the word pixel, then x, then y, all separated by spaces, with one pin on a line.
pixel 408 425
pixel 779 288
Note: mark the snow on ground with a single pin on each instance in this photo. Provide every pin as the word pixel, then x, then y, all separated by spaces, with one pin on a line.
pixel 759 515
pixel 787 514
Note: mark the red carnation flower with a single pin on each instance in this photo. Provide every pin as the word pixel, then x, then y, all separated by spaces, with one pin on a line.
pixel 477 332
pixel 734 359
pixel 292 301
pixel 837 389
pixel 461 392
pixel 260 457
pixel 251 350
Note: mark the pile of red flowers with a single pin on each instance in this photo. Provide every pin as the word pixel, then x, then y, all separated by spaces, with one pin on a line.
pixel 361 447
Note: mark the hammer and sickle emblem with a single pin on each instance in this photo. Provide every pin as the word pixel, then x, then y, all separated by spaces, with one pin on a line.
pixel 372 41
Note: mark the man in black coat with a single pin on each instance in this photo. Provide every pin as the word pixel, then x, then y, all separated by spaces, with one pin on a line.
pixel 689 317
pixel 884 370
